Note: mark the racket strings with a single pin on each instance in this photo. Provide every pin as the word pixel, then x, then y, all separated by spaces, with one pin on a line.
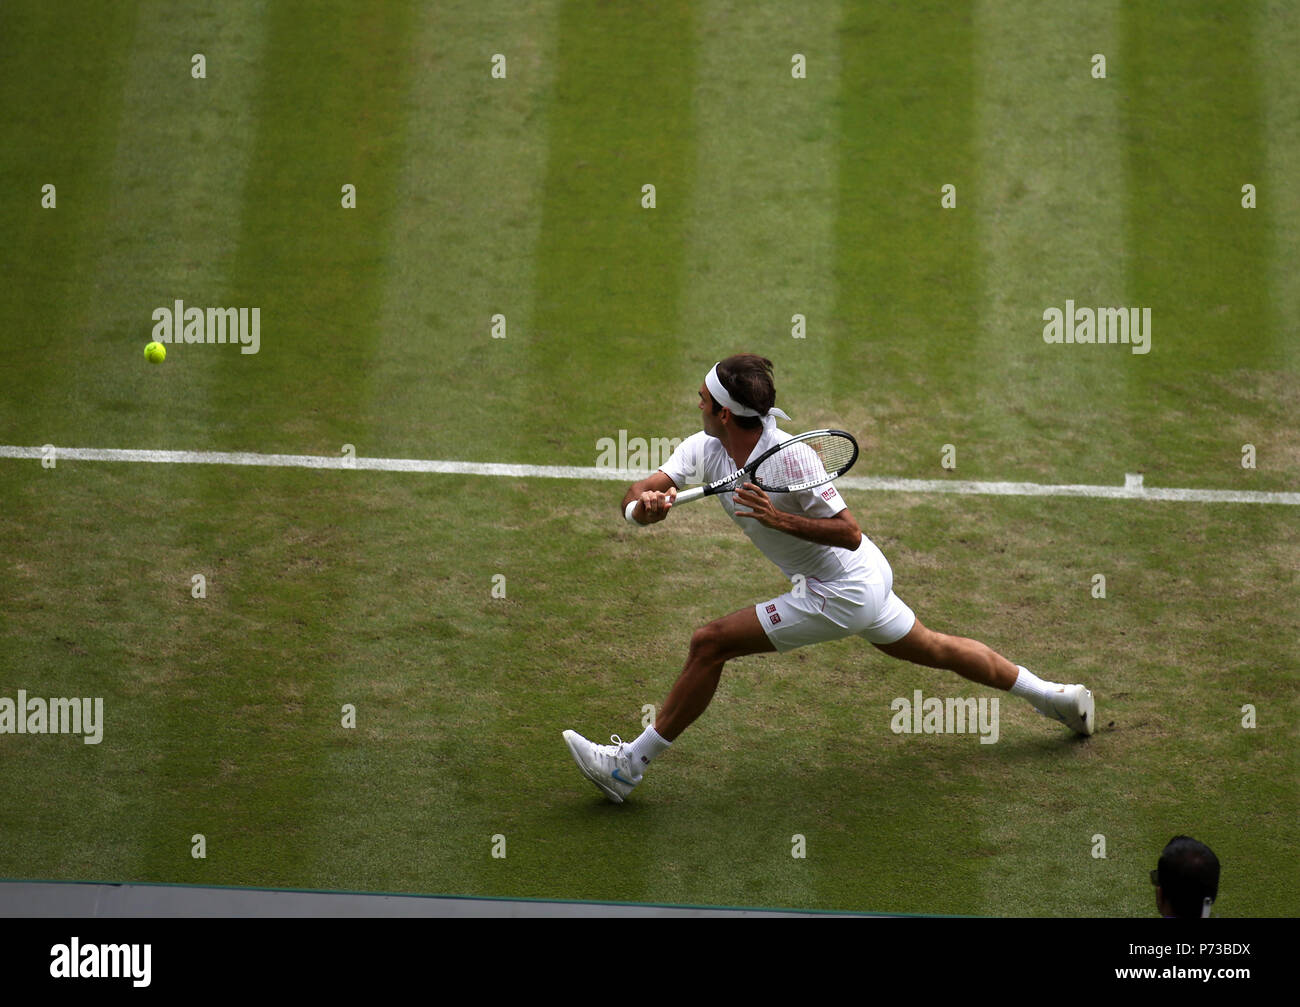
pixel 807 463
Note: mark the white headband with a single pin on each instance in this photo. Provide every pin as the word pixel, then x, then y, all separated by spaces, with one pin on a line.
pixel 714 384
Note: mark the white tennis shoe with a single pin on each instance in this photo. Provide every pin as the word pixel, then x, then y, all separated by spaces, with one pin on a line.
pixel 1072 705
pixel 607 766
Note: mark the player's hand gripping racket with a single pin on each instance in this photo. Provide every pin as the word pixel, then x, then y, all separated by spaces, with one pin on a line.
pixel 800 463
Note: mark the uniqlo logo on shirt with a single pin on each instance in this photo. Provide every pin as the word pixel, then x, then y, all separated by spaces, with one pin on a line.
pixel 775 618
pixel 771 608
pixel 828 492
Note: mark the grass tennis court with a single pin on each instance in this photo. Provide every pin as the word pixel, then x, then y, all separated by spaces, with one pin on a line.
pixel 521 196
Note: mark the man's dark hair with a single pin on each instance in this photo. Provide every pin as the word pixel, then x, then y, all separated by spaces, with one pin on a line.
pixel 1189 874
pixel 747 378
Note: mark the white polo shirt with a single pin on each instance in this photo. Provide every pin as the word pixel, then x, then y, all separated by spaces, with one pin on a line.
pixel 702 459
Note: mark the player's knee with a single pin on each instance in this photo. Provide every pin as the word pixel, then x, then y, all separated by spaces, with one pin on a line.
pixel 707 641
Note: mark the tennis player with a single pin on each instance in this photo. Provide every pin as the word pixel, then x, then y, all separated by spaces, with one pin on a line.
pixel 841 583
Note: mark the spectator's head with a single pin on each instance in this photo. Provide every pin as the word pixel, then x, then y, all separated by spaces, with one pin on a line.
pixel 1186 879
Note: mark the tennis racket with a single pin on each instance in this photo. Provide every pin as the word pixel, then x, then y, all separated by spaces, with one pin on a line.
pixel 800 463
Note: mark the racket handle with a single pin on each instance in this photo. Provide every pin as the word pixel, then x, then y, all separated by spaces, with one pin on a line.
pixel 686 496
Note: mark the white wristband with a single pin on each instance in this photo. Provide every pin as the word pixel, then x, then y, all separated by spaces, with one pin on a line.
pixel 628 510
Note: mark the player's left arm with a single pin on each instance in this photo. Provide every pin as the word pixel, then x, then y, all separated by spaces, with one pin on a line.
pixel 841 530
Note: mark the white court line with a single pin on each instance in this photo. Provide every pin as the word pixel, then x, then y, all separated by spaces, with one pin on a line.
pixel 1133 489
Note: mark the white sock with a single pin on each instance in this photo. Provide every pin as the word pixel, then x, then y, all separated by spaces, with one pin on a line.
pixel 647 747
pixel 1033 688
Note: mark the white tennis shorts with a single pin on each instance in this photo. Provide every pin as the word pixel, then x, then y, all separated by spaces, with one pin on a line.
pixel 823 611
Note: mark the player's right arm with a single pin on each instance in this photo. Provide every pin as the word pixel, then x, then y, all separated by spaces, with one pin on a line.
pixel 654 496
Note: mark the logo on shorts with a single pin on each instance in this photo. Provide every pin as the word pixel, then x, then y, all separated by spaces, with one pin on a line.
pixel 775 618
pixel 770 608
pixel 828 492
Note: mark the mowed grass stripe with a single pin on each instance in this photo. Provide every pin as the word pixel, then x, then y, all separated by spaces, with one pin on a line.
pixel 96 604
pixel 761 230
pixel 424 645
pixel 1195 122
pixel 906 269
pixel 1187 674
pixel 604 345
pixel 170 210
pixel 175 211
pixel 463 247
pixel 329 109
pixel 1051 228
pixel 601 352
pixel 907 298
pixel 257 691
pixel 1277 39
pixel 1242 367
pixel 60 126
pixel 760 246
pixel 179 171
pixel 1204 120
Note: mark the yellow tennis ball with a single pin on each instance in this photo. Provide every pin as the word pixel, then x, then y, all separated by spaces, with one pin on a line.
pixel 155 353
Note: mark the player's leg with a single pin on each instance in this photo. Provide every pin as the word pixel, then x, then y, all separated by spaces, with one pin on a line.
pixel 618 767
pixel 712 646
pixel 968 658
pixel 1072 705
pixel 895 630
